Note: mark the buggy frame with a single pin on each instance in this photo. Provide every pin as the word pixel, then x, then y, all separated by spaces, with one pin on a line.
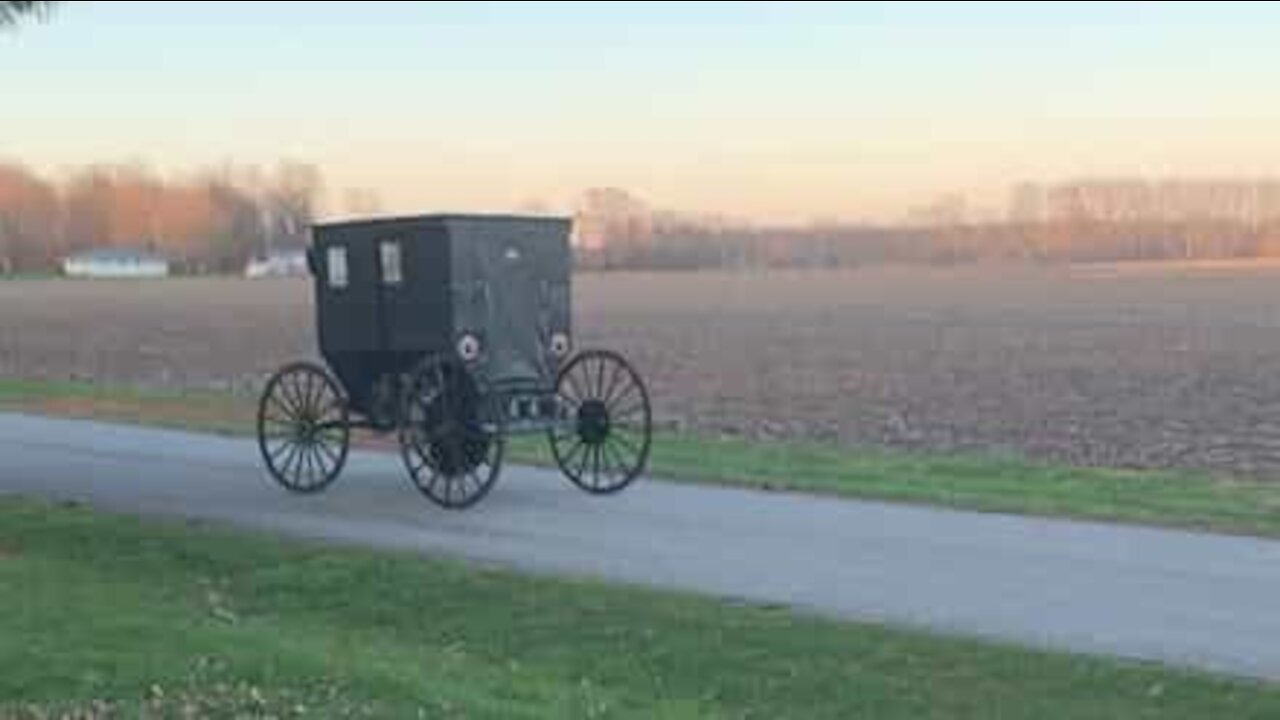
pixel 451 333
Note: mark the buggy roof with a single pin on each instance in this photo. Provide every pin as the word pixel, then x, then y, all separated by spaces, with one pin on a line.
pixel 442 218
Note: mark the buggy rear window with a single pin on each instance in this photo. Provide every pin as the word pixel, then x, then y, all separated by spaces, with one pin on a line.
pixel 337 266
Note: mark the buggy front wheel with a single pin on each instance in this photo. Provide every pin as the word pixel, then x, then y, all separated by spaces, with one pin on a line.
pixel 303 429
pixel 602 441
pixel 452 435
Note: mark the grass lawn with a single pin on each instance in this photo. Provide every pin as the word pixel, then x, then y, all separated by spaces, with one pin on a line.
pixel 110 616
pixel 1174 499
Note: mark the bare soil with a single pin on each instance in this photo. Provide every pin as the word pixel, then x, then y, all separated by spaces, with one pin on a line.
pixel 1149 366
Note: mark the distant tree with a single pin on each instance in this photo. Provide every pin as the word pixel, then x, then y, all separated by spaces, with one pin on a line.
pixel 11 11
pixel 87 207
pixel 28 219
pixel 291 200
pixel 614 224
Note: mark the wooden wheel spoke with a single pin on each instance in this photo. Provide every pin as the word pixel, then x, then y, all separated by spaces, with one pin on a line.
pixel 582 464
pixel 330 431
pixel 622 440
pixel 619 373
pixel 574 379
pixel 571 383
pixel 416 461
pixel 276 454
pixel 309 453
pixel 623 467
pixel 332 410
pixel 562 433
pixel 476 478
pixel 305 393
pixel 598 385
pixel 630 412
pixel 595 465
pixel 633 426
pixel 293 393
pixel 433 482
pixel 631 391
pixel 294 458
pixel 628 392
pixel 568 407
pixel 329 453
pixel 316 390
pixel 288 412
pixel 287 402
pixel 279 432
pixel 568 458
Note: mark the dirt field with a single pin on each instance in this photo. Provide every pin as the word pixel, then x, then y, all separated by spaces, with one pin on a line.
pixel 1143 366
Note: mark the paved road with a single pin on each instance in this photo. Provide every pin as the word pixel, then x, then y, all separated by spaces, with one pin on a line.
pixel 1202 601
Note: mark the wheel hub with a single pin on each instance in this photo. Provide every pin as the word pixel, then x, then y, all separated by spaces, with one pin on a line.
pixel 594 425
pixel 308 430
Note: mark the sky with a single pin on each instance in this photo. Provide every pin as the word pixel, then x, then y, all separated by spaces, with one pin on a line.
pixel 776 111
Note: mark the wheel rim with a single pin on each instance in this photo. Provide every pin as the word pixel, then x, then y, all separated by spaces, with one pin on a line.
pixel 303 431
pixel 451 439
pixel 603 444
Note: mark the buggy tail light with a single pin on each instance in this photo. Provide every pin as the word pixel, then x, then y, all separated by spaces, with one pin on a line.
pixel 469 348
pixel 560 346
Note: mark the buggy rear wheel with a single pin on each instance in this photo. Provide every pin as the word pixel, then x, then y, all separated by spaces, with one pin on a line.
pixel 303 429
pixel 452 435
pixel 602 445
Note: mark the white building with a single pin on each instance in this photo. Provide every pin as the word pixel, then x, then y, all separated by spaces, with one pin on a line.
pixel 116 264
pixel 280 264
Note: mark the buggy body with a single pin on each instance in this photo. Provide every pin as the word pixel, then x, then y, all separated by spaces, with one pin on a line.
pixel 452 331
pixel 495 291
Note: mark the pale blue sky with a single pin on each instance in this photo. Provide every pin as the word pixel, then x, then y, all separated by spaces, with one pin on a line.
pixel 772 109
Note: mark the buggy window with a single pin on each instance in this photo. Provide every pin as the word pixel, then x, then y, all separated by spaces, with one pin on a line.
pixel 337 265
pixel 389 255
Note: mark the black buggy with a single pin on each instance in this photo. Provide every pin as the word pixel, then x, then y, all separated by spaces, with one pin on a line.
pixel 451 333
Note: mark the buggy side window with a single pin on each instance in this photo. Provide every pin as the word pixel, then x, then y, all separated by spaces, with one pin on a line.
pixel 389 256
pixel 337 266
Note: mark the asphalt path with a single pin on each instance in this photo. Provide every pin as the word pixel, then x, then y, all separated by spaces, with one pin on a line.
pixel 1200 601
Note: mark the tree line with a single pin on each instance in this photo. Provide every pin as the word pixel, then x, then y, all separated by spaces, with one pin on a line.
pixel 215 220
pixel 211 221
pixel 1076 222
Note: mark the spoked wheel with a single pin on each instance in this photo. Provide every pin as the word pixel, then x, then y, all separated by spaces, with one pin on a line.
pixel 603 443
pixel 452 435
pixel 303 431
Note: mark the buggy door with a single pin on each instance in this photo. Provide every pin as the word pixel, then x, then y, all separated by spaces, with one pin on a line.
pixel 412 298
pixel 347 305
pixel 389 259
pixel 517 303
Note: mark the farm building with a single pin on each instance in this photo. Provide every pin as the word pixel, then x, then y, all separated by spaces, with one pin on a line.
pixel 116 263
pixel 278 264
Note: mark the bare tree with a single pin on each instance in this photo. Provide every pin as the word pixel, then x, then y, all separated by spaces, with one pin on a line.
pixel 291 203
pixel 11 11
pixel 28 219
pixel 613 224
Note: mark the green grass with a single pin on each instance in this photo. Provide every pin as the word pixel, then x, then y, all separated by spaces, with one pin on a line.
pixel 142 619
pixel 1189 500
pixel 27 276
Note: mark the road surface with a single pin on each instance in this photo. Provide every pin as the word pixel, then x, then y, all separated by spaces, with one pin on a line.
pixel 1199 601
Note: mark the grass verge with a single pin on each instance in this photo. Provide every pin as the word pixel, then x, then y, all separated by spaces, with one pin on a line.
pixel 106 616
pixel 989 484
